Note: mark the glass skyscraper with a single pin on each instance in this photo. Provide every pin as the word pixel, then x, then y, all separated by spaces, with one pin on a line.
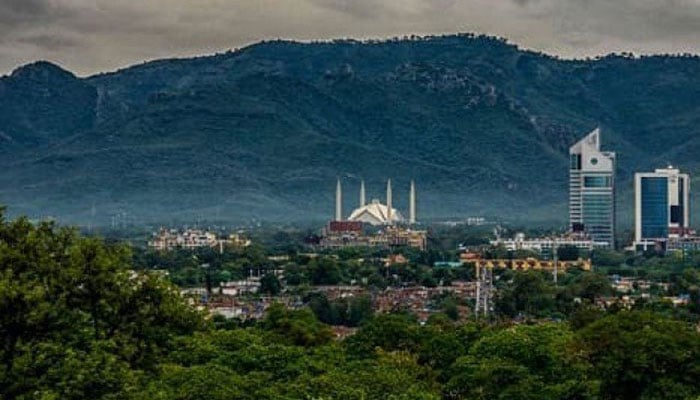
pixel 662 206
pixel 592 190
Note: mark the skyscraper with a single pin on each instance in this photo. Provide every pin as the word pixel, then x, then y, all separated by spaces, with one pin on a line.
pixel 662 200
pixel 592 190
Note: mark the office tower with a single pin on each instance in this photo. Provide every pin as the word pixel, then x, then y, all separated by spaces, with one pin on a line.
pixel 592 190
pixel 662 202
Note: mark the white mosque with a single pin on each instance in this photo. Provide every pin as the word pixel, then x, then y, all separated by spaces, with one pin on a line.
pixel 375 213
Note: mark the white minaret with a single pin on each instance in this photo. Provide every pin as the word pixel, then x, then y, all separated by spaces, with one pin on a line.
pixel 362 193
pixel 412 204
pixel 388 202
pixel 338 202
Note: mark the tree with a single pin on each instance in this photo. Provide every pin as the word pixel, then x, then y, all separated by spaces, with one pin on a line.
pixel 324 271
pixel 524 362
pixel 643 355
pixel 607 258
pixel 200 382
pixel 529 294
pixel 568 253
pixel 298 327
pixel 74 319
pixel 390 332
pixel 593 285
pixel 270 284
pixel 360 310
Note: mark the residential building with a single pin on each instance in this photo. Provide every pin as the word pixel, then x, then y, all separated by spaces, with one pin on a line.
pixel 170 239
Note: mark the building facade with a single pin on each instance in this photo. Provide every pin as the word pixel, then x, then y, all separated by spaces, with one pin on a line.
pixel 592 190
pixel 662 205
pixel 547 246
pixel 189 239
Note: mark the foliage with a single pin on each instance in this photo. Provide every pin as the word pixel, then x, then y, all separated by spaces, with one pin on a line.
pixel 349 312
pixel 528 294
pixel 643 355
pixel 270 284
pixel 76 322
pixel 522 362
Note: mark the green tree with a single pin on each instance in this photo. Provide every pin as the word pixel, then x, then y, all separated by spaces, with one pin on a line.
pixel 529 294
pixel 390 332
pixel 324 271
pixel 568 253
pixel 643 355
pixel 74 319
pixel 270 284
pixel 299 327
pixel 593 285
pixel 523 362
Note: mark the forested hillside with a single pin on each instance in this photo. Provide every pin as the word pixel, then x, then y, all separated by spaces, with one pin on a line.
pixel 263 132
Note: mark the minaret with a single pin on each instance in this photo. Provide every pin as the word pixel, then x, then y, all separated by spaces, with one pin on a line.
pixel 362 193
pixel 412 204
pixel 388 203
pixel 338 202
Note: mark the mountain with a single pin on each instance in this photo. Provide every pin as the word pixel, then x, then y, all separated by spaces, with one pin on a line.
pixel 263 132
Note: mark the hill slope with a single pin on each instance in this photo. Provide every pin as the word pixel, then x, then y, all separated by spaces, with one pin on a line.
pixel 263 132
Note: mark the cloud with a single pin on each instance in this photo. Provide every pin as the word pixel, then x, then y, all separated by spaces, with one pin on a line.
pixel 90 36
pixel 49 42
pixel 19 10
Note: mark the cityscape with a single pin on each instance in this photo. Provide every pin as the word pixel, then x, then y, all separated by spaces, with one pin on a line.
pixel 662 227
pixel 349 200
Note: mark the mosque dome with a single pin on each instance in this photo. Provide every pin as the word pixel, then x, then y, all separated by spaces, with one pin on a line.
pixel 375 213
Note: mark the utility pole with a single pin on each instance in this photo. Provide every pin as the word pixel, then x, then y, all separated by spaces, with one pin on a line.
pixel 484 290
pixel 478 290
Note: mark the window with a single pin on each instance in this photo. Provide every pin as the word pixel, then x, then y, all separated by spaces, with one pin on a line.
pixel 676 217
pixel 597 182
pixel 575 162
pixel 654 208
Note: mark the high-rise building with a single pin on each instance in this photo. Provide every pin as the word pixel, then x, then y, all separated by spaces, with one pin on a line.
pixel 662 202
pixel 592 190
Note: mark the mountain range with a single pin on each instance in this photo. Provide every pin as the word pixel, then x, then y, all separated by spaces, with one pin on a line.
pixel 263 132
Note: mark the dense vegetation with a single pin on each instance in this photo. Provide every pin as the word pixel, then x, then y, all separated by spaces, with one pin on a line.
pixel 76 321
pixel 264 131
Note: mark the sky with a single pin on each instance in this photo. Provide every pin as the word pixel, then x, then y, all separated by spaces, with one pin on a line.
pixel 91 36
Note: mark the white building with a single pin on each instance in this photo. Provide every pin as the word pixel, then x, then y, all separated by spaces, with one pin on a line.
pixel 375 213
pixel 545 246
pixel 189 239
pixel 592 190
pixel 662 205
pixel 169 239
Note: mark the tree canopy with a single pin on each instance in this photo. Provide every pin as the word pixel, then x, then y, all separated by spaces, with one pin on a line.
pixel 77 321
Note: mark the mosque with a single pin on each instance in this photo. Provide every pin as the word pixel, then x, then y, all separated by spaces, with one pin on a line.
pixel 375 213
pixel 395 231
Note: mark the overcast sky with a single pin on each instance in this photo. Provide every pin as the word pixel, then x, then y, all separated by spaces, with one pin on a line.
pixel 90 36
